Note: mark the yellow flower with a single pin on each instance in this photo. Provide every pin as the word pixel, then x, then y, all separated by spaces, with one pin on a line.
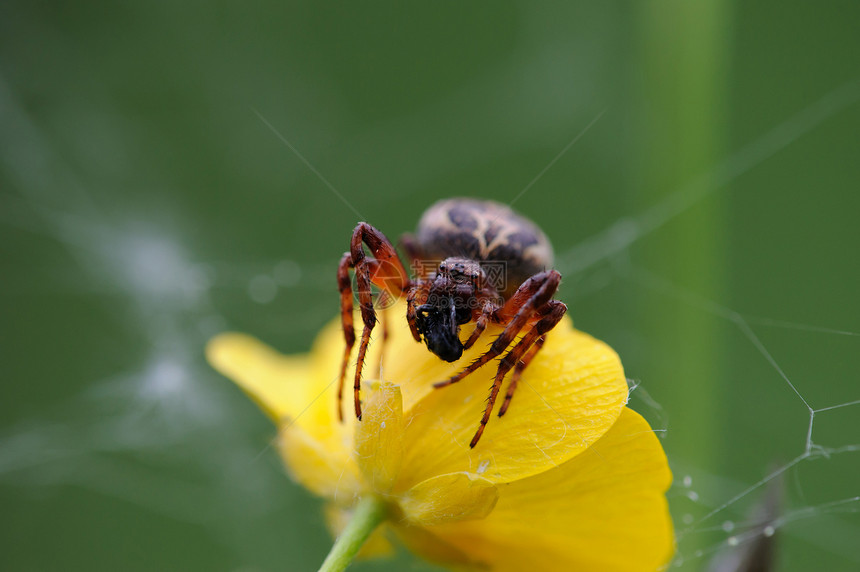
pixel 568 479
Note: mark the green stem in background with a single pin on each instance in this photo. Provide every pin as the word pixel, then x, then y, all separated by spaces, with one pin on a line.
pixel 368 515
pixel 683 81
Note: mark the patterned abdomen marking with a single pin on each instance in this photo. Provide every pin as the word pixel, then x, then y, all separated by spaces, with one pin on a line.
pixel 485 231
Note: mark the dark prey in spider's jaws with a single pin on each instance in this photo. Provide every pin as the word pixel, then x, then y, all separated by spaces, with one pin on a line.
pixel 476 261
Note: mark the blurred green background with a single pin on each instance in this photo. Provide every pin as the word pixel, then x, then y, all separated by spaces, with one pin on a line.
pixel 694 163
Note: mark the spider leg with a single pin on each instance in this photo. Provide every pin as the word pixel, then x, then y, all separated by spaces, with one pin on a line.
pixel 416 295
pixel 518 371
pixel 345 287
pixel 480 324
pixel 532 294
pixel 552 314
pixel 385 271
pixel 555 310
pixel 346 308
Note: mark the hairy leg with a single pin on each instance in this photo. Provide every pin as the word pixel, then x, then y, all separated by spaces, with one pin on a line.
pixel 415 296
pixel 345 287
pixel 534 293
pixel 384 270
pixel 552 313
pixel 480 324
pixel 518 372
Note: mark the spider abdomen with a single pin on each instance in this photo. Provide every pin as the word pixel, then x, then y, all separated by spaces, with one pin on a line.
pixel 488 232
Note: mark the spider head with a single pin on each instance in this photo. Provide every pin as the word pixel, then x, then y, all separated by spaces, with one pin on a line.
pixel 448 306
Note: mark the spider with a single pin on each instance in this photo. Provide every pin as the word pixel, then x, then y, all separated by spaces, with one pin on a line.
pixel 487 264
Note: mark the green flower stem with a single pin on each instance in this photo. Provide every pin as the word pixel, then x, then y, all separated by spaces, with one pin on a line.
pixel 685 74
pixel 369 514
pixel 684 70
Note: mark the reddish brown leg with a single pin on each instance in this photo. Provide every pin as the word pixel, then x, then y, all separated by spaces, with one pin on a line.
pixel 362 352
pixel 414 298
pixel 345 288
pixel 385 271
pixel 532 294
pixel 554 311
pixel 480 325
pixel 527 359
pixel 518 372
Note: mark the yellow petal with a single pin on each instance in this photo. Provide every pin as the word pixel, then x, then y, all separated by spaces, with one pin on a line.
pixel 379 437
pixel 419 541
pixel 603 510
pixel 316 448
pixel 568 398
pixel 277 383
pixel 323 469
pixel 570 395
pixel 400 360
pixel 449 498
